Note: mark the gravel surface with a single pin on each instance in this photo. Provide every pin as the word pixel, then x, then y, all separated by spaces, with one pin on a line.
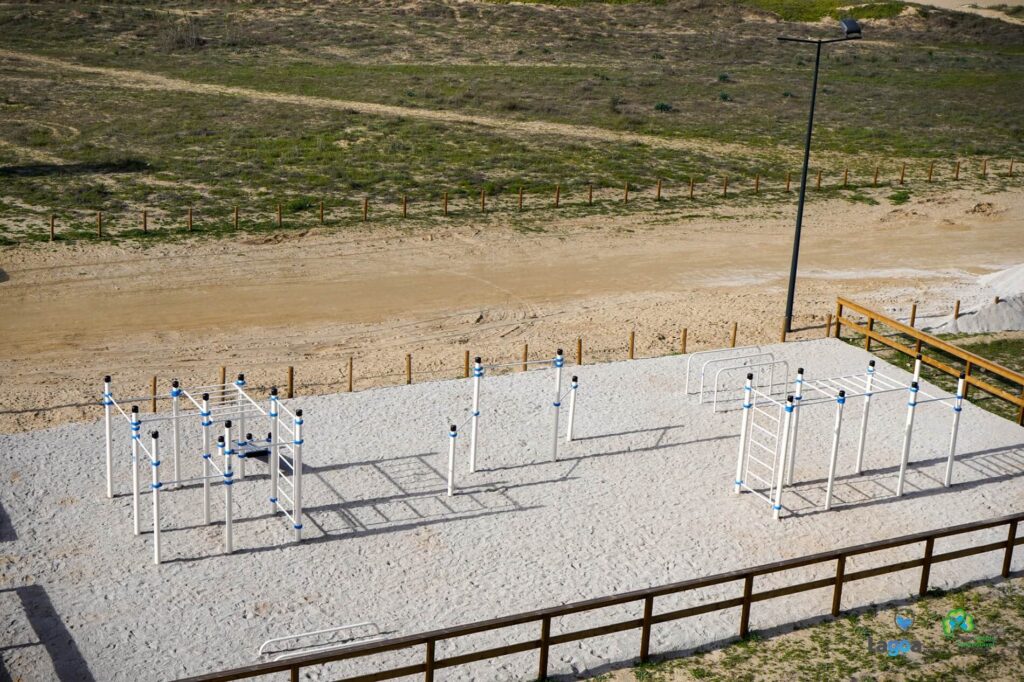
pixel 644 497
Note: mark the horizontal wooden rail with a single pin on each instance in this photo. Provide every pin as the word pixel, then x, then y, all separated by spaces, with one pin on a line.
pixel 542 617
pixel 971 360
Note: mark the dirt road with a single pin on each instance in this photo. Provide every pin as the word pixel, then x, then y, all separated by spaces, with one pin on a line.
pixel 71 313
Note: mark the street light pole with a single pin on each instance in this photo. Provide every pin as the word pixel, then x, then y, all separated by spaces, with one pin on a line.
pixel 791 290
pixel 851 31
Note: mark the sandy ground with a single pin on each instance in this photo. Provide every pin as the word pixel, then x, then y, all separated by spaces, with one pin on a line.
pixel 982 7
pixel 643 497
pixel 70 313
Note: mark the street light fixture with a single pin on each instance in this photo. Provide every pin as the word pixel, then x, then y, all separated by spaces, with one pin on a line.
pixel 851 31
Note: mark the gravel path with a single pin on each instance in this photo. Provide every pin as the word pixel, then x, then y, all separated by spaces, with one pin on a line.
pixel 642 498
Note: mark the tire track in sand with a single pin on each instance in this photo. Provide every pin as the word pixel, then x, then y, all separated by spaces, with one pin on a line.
pixel 144 80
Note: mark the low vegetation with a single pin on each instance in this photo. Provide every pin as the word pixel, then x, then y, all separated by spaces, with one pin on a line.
pixel 838 650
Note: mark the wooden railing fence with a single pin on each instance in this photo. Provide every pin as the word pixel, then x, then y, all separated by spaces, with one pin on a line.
pixel 924 342
pixel 542 618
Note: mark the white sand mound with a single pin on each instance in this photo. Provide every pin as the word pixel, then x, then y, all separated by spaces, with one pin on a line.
pixel 1007 315
pixel 1005 283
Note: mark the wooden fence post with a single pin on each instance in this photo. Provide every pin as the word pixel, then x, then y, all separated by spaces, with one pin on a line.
pixel 984 168
pixel 967 374
pixel 837 588
pixel 625 199
pixel 657 195
pixel 526 355
pixel 757 184
pixel 828 325
pixel 819 180
pixel 725 186
pixel 956 309
pixel 782 334
pixel 545 637
pixel 956 173
pixel 99 223
pixel 520 197
pixel 558 193
pixel 350 381
pixel 236 218
pixel 483 200
pixel 839 314
pixel 405 205
pixel 867 337
pixel 52 230
pixel 579 350
pixel 732 335
pixel 931 170
pixel 189 218
pixel 445 202
pixel 682 342
pixel 145 221
pixel 874 183
pixel 632 343
pixel 279 221
pixel 408 368
pixel 590 194
pixel 789 178
pixel 926 567
pixel 321 211
pixel 903 172
pixel 1011 538
pixel 645 631
pixel 465 365
pixel 913 313
pixel 366 208
pixel 291 381
pixel 1011 168
pixel 223 376
pixel 153 395
pixel 691 187
pixel 846 176
pixel 748 589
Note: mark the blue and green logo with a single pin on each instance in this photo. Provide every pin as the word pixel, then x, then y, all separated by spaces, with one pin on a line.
pixel 957 621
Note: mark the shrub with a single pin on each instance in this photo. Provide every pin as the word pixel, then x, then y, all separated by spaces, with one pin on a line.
pixel 725 96
pixel 663 106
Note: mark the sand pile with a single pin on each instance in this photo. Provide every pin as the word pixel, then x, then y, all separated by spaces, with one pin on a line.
pixel 1004 313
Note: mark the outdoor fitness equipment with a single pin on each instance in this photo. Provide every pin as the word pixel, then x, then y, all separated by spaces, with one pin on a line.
pixel 219 403
pixel 479 369
pixel 768 468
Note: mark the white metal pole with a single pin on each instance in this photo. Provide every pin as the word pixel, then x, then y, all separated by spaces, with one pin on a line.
pixel 229 544
pixel 108 401
pixel 155 485
pixel 207 423
pixel 136 435
pixel 274 450
pixel 782 449
pixel 958 406
pixel 905 457
pixel 840 401
pixel 798 392
pixel 453 433
pixel 297 476
pixel 862 441
pixel 478 373
pixel 572 407
pixel 917 368
pixel 744 425
pixel 175 430
pixel 557 364
pixel 243 435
